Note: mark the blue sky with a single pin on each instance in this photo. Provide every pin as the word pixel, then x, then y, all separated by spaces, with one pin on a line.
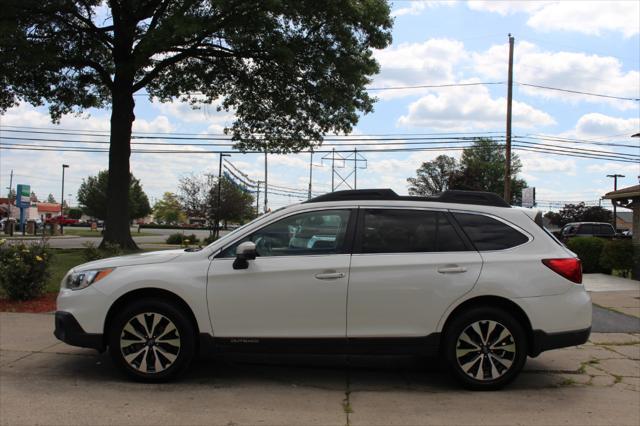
pixel 583 46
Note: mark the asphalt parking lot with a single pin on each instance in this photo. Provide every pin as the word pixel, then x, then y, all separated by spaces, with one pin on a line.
pixel 43 381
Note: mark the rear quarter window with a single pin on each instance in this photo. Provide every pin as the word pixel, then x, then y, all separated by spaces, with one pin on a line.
pixel 487 233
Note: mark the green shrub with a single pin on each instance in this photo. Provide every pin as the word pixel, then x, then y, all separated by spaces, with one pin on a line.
pixel 588 250
pixel 182 239
pixel 209 240
pixel 92 252
pixel 24 269
pixel 617 254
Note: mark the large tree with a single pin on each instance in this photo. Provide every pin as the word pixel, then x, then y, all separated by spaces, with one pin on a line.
pixel 482 169
pixel 433 176
pixel 291 70
pixel 199 198
pixel 94 201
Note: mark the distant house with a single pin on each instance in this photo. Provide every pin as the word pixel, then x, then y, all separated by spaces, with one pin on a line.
pixel 624 220
pixel 48 210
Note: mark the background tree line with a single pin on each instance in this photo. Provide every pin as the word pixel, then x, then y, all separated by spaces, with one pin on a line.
pixel 481 168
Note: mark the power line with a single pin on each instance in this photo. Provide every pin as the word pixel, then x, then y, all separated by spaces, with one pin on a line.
pixel 600 95
pixel 627 158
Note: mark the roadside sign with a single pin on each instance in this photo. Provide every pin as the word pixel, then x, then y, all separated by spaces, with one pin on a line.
pixel 528 197
pixel 23 196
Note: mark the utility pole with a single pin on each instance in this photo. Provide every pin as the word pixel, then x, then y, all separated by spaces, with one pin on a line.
pixel 615 188
pixel 64 166
pixel 265 180
pixel 507 166
pixel 355 168
pixel 216 228
pixel 258 199
pixel 333 167
pixel 10 184
pixel 310 173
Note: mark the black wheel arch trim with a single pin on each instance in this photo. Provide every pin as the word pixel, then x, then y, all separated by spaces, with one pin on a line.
pixel 69 330
pixel 543 341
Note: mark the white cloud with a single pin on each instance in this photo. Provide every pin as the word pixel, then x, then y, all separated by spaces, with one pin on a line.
pixel 506 7
pixel 417 7
pixel 594 125
pixel 587 17
pixel 631 170
pixel 539 163
pixel 469 108
pixel 429 62
pixel 569 70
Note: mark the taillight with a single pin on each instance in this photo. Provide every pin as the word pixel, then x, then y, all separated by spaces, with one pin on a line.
pixel 570 268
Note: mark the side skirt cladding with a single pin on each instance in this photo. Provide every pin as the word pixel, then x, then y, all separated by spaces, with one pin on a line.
pixel 427 345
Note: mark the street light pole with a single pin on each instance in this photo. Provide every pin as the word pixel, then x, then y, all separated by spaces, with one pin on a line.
pixel 64 166
pixel 615 188
pixel 217 216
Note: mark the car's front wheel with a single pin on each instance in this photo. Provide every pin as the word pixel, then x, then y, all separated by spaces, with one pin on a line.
pixel 152 340
pixel 485 348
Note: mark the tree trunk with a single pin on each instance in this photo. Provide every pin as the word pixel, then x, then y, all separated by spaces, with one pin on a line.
pixel 117 222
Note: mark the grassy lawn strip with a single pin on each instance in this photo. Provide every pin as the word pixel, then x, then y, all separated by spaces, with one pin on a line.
pixel 89 233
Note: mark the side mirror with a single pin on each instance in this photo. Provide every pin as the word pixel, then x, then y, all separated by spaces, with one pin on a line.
pixel 245 252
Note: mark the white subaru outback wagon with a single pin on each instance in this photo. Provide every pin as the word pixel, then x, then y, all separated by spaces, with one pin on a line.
pixel 461 274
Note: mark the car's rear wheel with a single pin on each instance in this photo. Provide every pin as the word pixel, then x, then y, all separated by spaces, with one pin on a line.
pixel 152 340
pixel 485 348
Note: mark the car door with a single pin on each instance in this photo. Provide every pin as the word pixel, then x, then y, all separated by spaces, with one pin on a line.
pixel 297 285
pixel 408 266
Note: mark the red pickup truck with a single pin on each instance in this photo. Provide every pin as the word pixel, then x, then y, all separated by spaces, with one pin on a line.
pixel 61 220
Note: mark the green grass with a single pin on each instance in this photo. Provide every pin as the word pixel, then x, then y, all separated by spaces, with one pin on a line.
pixel 89 233
pixel 63 260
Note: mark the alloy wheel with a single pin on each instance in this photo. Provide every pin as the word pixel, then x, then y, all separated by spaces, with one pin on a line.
pixel 485 350
pixel 150 342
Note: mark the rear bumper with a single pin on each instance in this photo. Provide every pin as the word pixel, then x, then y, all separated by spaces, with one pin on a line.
pixel 70 331
pixel 543 341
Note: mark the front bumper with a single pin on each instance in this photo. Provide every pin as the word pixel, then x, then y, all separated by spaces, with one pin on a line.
pixel 70 331
pixel 543 341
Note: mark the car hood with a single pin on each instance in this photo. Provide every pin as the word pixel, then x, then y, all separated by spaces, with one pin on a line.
pixel 132 259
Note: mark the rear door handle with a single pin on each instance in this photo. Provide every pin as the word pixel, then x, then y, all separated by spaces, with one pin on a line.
pixel 452 269
pixel 330 275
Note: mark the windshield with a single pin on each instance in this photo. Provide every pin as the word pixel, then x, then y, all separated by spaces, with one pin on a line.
pixel 224 239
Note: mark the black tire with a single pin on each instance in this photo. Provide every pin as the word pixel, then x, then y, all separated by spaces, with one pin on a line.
pixel 166 352
pixel 489 362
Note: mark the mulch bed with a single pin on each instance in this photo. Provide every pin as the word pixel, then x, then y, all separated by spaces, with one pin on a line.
pixel 46 303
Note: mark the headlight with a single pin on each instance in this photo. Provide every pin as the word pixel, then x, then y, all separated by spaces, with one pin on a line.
pixel 82 279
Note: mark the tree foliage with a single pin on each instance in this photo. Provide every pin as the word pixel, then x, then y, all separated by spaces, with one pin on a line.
pixel 290 70
pixel 481 168
pixel 579 213
pixel 433 176
pixel 169 210
pixel 92 196
pixel 199 198
pixel 51 199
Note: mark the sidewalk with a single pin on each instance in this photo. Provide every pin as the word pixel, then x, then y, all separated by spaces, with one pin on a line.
pixel 614 293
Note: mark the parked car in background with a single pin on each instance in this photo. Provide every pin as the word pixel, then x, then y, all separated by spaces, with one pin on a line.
pixel 587 229
pixel 61 220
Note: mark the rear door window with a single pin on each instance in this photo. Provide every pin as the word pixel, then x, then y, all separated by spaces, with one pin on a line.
pixel 487 233
pixel 408 231
pixel 606 230
pixel 586 229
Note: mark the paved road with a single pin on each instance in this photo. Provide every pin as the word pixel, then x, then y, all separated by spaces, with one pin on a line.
pixel 46 382
pixel 149 241
pixel 607 321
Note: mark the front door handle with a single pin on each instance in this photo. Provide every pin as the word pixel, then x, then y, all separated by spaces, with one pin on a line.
pixel 330 275
pixel 452 269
